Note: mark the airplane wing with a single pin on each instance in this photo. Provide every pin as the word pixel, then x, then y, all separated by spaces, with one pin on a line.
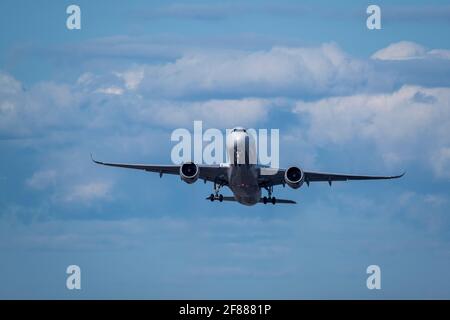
pixel 213 173
pixel 312 176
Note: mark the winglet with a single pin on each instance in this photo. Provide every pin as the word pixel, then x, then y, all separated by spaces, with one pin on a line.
pixel 95 161
pixel 400 175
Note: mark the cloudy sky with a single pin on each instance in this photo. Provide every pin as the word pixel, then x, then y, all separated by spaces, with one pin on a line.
pixel 345 99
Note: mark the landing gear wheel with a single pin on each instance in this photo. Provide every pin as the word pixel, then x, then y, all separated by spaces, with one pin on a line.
pixel 220 198
pixel 274 200
pixel 265 200
pixel 211 197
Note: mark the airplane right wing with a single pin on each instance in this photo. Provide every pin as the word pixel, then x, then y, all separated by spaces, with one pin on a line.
pixel 213 173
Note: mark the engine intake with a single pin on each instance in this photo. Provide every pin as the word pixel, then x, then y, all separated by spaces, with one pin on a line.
pixel 294 177
pixel 189 172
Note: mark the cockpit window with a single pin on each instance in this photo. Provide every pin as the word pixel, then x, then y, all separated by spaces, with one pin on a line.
pixel 239 130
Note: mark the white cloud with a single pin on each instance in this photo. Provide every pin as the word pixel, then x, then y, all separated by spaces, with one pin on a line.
pixel 402 50
pixel 42 179
pixel 118 48
pixel 88 192
pixel 440 53
pixel 9 85
pixel 132 78
pixel 111 90
pixel 85 79
pixel 67 175
pixel 411 124
pixel 275 72
pixel 406 50
pixel 208 85
pixel 89 104
pixel 441 161
pixel 219 113
pixel 10 88
pixel 44 105
pixel 435 199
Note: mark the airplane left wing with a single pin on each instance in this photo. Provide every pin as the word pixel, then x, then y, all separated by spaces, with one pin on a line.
pixel 213 173
pixel 312 176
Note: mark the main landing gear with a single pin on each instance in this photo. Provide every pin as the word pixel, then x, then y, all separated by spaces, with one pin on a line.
pixel 269 198
pixel 216 195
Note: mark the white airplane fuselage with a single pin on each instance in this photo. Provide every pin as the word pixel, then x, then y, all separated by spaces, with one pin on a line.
pixel 242 171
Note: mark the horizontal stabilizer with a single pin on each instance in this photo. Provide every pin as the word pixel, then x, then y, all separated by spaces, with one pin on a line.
pixel 229 199
pixel 261 200
pixel 283 201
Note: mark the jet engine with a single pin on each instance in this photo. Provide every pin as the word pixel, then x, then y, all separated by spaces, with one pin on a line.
pixel 294 177
pixel 189 172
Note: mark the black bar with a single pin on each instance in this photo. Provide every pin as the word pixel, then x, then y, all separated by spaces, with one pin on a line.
pixel 225 309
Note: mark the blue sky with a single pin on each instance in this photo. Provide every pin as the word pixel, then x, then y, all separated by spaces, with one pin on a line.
pixel 345 99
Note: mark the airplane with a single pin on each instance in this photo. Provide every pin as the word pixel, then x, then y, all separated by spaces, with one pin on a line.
pixel 243 177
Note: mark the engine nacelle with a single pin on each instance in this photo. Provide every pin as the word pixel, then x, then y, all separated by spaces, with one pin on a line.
pixel 189 172
pixel 294 177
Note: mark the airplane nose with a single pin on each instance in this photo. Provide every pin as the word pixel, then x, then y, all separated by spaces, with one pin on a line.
pixel 241 147
pixel 239 129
